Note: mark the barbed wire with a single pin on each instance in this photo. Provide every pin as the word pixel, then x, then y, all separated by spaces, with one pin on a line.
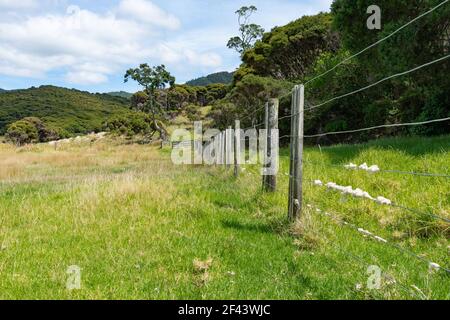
pixel 415 211
pixel 361 261
pixel 425 174
pixel 378 42
pixel 379 82
pixel 379 239
pixel 435 175
pixel 252 114
pixel 312 107
pixel 370 128
pixel 378 127
pixel 365 264
pixel 254 127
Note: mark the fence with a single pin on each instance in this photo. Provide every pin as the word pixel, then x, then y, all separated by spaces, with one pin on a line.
pixel 296 163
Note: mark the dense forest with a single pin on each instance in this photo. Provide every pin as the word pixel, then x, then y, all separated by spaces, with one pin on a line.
pixel 307 47
pixel 215 78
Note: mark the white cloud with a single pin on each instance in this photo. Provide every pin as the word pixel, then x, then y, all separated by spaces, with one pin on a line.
pixel 92 46
pixel 147 12
pixel 17 63
pixel 206 59
pixel 17 4
pixel 86 77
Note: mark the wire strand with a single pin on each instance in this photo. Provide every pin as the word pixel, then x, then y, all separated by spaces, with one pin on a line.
pixel 379 239
pixel 379 82
pixel 378 127
pixel 425 174
pixel 252 114
pixel 378 42
pixel 415 211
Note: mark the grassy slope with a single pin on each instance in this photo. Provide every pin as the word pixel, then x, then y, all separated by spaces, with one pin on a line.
pixel 134 224
pixel 72 110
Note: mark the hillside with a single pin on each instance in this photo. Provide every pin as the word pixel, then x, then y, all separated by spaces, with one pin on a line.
pixel 122 94
pixel 74 111
pixel 220 77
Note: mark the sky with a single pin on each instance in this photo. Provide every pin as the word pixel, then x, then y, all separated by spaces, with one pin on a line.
pixel 88 45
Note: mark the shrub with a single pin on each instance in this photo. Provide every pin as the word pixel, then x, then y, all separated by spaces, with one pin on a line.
pixel 31 130
pixel 45 134
pixel 193 112
pixel 133 124
pixel 22 132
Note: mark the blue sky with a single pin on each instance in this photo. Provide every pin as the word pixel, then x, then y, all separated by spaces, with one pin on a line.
pixel 88 45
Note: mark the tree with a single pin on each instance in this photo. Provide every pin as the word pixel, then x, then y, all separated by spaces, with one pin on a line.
pixel 22 132
pixel 130 125
pixel 246 98
pixel 30 130
pixel 45 134
pixel 249 32
pixel 152 79
pixel 287 52
pixel 419 96
pixel 138 100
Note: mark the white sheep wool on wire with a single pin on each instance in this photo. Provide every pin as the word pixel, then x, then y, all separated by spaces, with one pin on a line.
pixel 364 167
pixel 358 193
pixel 434 267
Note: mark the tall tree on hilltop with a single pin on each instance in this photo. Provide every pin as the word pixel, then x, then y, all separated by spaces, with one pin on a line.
pixel 249 32
pixel 152 79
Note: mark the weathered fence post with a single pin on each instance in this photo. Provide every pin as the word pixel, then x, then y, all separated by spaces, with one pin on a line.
pixel 216 149
pixel 224 147
pixel 291 154
pixel 296 159
pixel 229 146
pixel 219 149
pixel 265 145
pixel 271 165
pixel 237 148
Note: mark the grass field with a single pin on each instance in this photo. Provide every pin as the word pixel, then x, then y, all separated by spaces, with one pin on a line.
pixel 141 228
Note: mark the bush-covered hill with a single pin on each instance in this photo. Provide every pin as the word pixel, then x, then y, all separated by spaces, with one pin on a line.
pixel 215 78
pixel 69 110
pixel 307 48
pixel 122 94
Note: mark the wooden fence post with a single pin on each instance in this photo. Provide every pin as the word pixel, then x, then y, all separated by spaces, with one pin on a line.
pixel 296 160
pixel 271 177
pixel 219 149
pixel 265 146
pixel 237 148
pixel 291 154
pixel 229 146
pixel 216 149
pixel 224 148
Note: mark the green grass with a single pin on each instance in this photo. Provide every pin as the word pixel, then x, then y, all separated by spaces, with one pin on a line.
pixel 136 224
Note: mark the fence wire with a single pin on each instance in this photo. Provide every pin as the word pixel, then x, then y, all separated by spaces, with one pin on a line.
pixel 381 240
pixel 378 42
